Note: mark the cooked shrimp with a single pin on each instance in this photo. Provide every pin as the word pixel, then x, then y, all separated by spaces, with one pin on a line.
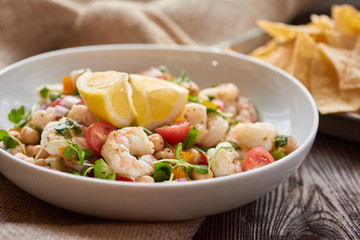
pixel 224 160
pixel 128 152
pixel 212 128
pixel 226 91
pixel 49 134
pixel 82 114
pixel 42 117
pixel 215 132
pixel 249 135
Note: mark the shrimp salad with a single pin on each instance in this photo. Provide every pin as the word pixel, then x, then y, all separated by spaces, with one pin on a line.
pixel 217 133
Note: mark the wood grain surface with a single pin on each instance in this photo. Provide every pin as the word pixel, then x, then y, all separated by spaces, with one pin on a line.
pixel 321 200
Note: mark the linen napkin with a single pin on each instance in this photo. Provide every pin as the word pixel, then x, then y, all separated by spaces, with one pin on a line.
pixel 29 27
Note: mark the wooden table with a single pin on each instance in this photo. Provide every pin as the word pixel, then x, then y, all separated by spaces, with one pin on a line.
pixel 321 200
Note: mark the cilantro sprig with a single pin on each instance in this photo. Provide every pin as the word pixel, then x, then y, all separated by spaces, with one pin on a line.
pixel 10 141
pixel 163 168
pixel 19 117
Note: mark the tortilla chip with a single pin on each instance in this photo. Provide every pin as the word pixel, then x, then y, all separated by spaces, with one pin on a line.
pixel 324 87
pixel 337 56
pixel 346 18
pixel 303 53
pixel 351 76
pixel 283 32
pixel 340 40
pixel 276 53
pixel 321 21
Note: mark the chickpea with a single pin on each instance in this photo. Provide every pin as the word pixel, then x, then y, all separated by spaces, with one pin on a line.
pixel 198 176
pixel 40 162
pixel 15 133
pixel 193 88
pixel 197 155
pixel 29 150
pixel 290 146
pixel 147 179
pixel 157 140
pixel 29 135
pixel 24 157
pixel 43 154
pixel 165 153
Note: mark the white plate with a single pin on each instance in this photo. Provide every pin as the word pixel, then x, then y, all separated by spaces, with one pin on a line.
pixel 279 98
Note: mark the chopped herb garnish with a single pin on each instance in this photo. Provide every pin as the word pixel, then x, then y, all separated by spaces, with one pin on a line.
pixel 194 99
pixel 38 129
pixel 280 140
pixel 234 145
pixel 278 154
pixel 103 171
pixel 54 95
pixel 163 69
pixel 183 79
pixel 147 131
pixel 67 128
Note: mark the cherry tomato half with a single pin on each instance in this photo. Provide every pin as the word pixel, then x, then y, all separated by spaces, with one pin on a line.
pixel 56 102
pixel 174 133
pixel 203 159
pixel 96 135
pixel 220 103
pixel 124 179
pixel 256 157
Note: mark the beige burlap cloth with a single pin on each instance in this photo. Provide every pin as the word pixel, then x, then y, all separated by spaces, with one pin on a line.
pixel 29 27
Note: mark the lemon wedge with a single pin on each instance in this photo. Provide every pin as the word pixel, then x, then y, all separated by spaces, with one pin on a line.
pixel 156 101
pixel 108 96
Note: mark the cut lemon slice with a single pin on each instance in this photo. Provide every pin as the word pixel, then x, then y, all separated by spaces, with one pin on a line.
pixel 156 101
pixel 108 96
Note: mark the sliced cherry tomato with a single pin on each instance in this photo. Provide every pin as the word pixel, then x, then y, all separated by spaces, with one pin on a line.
pixel 219 103
pixel 256 157
pixel 174 133
pixel 96 135
pixel 124 179
pixel 56 102
pixel 203 159
pixel 163 76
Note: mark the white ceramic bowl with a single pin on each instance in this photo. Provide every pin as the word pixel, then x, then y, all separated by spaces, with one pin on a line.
pixel 279 98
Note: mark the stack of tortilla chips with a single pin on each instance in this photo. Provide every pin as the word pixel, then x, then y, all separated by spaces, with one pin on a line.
pixel 323 55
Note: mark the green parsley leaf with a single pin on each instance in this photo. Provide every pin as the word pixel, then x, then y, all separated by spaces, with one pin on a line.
pixel 162 171
pixel 191 138
pixel 16 115
pixel 8 141
pixel 201 169
pixel 44 92
pixel 178 150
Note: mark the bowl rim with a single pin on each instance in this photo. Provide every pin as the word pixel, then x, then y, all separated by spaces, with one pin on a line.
pixel 170 47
